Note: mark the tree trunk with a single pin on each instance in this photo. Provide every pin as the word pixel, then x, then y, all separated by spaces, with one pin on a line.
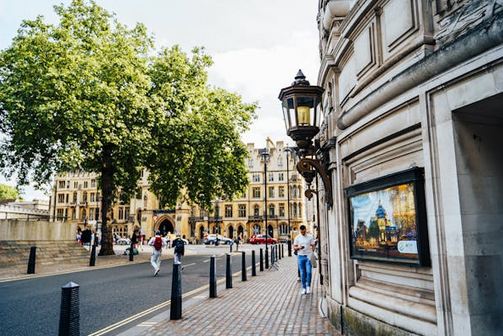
pixel 106 201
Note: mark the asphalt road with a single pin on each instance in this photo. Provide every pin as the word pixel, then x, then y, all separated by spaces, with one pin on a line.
pixel 31 307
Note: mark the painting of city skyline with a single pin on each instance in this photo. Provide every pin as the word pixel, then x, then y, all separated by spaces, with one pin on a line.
pixel 383 223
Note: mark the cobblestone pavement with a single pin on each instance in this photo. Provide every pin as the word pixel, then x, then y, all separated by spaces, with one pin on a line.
pixel 268 304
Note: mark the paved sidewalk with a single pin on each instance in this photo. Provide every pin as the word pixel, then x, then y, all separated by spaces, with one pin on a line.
pixel 268 304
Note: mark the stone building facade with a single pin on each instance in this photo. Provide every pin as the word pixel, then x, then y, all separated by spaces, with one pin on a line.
pixel 77 200
pixel 414 85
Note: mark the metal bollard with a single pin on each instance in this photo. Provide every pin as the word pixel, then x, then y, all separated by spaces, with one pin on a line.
pixel 261 260
pixel 228 271
pixel 254 266
pixel 69 317
pixel 243 266
pixel 31 260
pixel 266 257
pixel 213 277
pixel 175 312
pixel 289 248
pixel 272 255
pixel 279 251
pixel 131 251
pixel 283 250
pixel 92 260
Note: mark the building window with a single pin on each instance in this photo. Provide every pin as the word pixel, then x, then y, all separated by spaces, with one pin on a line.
pixel 126 213
pixel 74 197
pixel 283 229
pixel 61 185
pixel 256 229
pixel 228 211
pixel 281 177
pixel 256 192
pixel 75 185
pixel 86 184
pixel 61 199
pixel 242 210
pixel 256 178
pixel 271 177
pixel 271 192
pixel 272 210
pixel 92 213
pixel 92 197
pixel 84 196
pixel 294 209
pixel 60 213
pixel 250 163
pixel 145 202
pixel 256 210
pixel 281 210
pixel 93 183
pixel 83 215
pixel 281 191
pixel 121 213
pixel 280 161
pixel 67 197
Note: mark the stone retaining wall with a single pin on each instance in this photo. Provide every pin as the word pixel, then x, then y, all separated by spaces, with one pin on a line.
pixel 12 229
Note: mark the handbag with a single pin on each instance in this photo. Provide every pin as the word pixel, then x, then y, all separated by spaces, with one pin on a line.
pixel 313 259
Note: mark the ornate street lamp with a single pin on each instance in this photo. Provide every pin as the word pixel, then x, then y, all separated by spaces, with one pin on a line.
pixel 302 113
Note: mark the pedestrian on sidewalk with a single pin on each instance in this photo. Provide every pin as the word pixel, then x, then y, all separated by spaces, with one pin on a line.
pixel 157 244
pixel 304 245
pixel 179 250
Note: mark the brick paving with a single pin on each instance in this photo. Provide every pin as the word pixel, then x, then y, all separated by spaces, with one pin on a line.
pixel 268 304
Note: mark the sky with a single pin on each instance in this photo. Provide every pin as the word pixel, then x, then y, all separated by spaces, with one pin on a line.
pixel 257 45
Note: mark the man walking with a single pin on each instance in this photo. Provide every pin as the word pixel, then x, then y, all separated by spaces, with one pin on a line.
pixel 304 246
pixel 157 243
pixel 179 250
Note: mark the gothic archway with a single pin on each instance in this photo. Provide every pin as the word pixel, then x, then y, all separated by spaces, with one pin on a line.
pixel 270 230
pixel 201 232
pixel 165 225
pixel 230 232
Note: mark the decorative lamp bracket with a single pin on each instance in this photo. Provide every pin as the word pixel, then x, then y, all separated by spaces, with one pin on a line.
pixel 308 168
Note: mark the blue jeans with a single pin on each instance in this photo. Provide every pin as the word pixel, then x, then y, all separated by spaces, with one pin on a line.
pixel 305 268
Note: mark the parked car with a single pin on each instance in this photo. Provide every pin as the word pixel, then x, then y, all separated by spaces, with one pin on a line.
pixel 123 241
pixel 260 239
pixel 211 239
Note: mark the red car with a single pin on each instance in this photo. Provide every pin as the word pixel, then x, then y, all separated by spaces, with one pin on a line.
pixel 260 239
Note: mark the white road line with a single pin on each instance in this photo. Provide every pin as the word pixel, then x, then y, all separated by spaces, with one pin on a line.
pixel 189 265
pixel 208 260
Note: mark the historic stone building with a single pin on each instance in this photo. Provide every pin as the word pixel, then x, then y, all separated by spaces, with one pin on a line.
pixel 413 132
pixel 77 199
pixel 246 215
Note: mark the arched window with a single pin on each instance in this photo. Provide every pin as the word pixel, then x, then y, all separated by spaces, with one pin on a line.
pixel 294 209
pixel 272 210
pixel 256 210
pixel 283 229
pixel 145 201
pixel 300 209
pixel 256 229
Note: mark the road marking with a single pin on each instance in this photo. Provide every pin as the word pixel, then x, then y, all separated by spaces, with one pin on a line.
pixel 190 265
pixel 206 260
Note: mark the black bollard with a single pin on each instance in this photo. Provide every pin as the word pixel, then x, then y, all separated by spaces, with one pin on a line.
pixel 266 257
pixel 279 252
pixel 175 312
pixel 261 260
pixel 254 266
pixel 283 250
pixel 92 260
pixel 69 317
pixel 213 277
pixel 131 250
pixel 31 260
pixel 289 248
pixel 243 266
pixel 272 255
pixel 228 271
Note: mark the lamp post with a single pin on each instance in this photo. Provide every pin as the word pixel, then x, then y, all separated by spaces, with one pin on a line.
pixel 288 150
pixel 265 157
pixel 301 104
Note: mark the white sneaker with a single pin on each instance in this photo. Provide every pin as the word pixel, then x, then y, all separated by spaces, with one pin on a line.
pixel 308 290
pixel 303 291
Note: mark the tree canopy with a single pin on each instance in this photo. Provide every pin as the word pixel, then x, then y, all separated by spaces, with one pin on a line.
pixel 8 193
pixel 91 94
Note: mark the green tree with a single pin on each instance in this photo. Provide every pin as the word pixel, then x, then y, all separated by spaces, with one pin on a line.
pixel 8 193
pixel 85 95
pixel 198 154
